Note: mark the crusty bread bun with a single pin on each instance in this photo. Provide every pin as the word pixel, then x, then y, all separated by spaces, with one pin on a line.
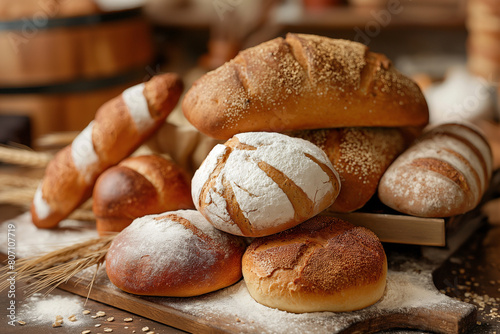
pixel 137 187
pixel 303 82
pixel 324 264
pixel 360 156
pixel 444 173
pixel 177 254
pixel 260 183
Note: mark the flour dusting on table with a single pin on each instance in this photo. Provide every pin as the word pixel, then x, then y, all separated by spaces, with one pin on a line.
pixel 40 309
pixel 31 240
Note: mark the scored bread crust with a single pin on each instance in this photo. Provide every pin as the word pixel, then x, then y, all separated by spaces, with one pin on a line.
pixel 324 264
pixel 303 82
pixel 260 183
pixel 444 173
pixel 174 254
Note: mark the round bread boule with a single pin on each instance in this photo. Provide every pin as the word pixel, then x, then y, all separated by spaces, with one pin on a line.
pixel 324 264
pixel 260 183
pixel 174 254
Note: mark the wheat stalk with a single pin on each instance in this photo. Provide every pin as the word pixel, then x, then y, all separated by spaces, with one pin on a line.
pixel 16 181
pixel 17 196
pixel 82 214
pixel 55 140
pixel 57 267
pixel 24 157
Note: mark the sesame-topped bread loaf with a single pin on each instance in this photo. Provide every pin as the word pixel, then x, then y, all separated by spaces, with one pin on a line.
pixel 360 156
pixel 303 82
pixel 260 183
pixel 324 264
pixel 444 173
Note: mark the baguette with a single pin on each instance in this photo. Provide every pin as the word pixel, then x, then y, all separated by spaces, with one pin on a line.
pixel 444 173
pixel 119 128
pixel 136 187
pixel 303 82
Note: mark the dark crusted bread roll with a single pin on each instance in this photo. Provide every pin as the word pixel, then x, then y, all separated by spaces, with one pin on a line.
pixel 137 187
pixel 177 254
pixel 324 264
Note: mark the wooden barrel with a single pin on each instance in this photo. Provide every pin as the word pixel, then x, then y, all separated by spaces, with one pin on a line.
pixel 61 71
pixel 64 107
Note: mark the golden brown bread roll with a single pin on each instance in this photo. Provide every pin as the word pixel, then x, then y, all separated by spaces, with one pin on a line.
pixel 360 156
pixel 324 264
pixel 303 82
pixel 260 183
pixel 175 254
pixel 444 173
pixel 119 128
pixel 136 187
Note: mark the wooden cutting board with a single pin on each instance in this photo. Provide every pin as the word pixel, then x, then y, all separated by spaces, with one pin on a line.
pixel 410 300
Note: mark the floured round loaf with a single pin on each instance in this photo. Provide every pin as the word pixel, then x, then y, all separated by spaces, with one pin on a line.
pixel 303 82
pixel 260 183
pixel 444 173
pixel 176 254
pixel 324 264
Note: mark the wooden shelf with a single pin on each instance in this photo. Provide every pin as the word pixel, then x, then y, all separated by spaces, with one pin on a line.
pixel 346 17
pixel 190 17
pixel 412 14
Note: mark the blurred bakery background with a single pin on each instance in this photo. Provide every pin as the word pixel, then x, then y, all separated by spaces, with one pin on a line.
pixel 61 59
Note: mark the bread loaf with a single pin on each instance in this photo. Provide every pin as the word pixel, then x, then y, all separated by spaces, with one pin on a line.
pixel 137 187
pixel 445 173
pixel 303 82
pixel 119 128
pixel 261 183
pixel 324 264
pixel 174 254
pixel 360 156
